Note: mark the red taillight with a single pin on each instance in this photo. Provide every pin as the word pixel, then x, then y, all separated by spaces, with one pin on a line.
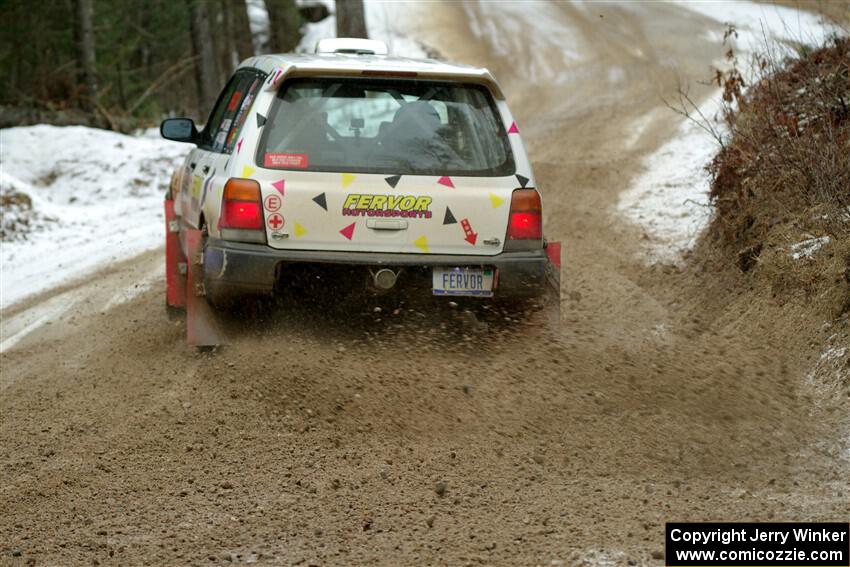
pixel 526 219
pixel 241 214
pixel 240 207
pixel 525 226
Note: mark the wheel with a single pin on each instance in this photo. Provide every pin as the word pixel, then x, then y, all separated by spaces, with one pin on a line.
pixel 174 313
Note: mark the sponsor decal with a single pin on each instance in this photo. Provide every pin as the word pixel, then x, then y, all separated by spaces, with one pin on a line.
pixel 347 179
pixel 403 206
pixel 348 232
pixel 449 218
pixel 469 235
pixel 195 191
pixel 297 161
pixel 205 187
pixel 275 221
pixel 243 113
pixel 321 200
pixel 523 180
pixel 272 203
pixel 234 101
pixel 446 182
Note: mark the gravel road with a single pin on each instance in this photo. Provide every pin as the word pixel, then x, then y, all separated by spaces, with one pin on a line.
pixel 420 436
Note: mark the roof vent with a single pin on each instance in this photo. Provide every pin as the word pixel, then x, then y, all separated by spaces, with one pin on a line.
pixel 351 46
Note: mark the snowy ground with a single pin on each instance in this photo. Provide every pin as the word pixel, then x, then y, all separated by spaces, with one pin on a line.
pixel 96 197
pixel 670 199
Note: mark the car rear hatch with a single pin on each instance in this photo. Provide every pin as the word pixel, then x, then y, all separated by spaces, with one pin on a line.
pixel 386 165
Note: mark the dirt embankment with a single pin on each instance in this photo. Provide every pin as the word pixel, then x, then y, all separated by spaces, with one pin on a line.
pixel 331 436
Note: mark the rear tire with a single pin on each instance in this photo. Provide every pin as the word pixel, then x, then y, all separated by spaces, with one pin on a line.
pixel 174 313
pixel 219 297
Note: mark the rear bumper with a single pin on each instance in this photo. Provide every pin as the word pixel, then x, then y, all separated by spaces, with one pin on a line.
pixel 255 267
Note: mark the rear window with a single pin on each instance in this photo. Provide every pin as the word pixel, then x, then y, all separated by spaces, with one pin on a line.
pixel 385 126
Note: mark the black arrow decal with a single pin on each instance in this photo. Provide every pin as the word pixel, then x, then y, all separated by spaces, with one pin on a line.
pixel 321 200
pixel 261 120
pixel 393 180
pixel 523 181
pixel 449 218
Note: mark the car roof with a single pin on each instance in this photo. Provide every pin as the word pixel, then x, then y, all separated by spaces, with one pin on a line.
pixel 318 64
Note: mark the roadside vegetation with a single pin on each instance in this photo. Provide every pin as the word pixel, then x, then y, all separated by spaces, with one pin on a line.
pixel 780 184
pixel 124 64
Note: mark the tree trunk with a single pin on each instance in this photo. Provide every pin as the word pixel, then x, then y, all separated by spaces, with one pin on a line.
pixel 284 25
pixel 222 16
pixel 84 39
pixel 350 20
pixel 206 66
pixel 240 30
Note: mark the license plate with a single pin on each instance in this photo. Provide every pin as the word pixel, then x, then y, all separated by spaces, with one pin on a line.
pixel 476 282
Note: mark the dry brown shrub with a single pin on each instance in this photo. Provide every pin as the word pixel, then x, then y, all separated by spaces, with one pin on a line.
pixel 787 157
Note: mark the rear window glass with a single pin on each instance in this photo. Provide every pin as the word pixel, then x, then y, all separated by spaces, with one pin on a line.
pixel 385 126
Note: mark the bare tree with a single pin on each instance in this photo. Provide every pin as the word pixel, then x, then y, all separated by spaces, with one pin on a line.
pixel 206 66
pixel 284 25
pixel 350 21
pixel 241 29
pixel 84 39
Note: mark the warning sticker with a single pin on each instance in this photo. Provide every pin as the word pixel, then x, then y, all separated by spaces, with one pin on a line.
pixel 275 221
pixel 272 203
pixel 298 161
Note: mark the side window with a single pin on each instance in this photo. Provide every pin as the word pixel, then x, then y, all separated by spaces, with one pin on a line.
pixel 230 111
pixel 244 108
pixel 214 122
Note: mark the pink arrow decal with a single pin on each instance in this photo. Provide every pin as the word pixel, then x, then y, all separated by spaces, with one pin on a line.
pixel 513 129
pixel 238 145
pixel 279 186
pixel 446 181
pixel 348 231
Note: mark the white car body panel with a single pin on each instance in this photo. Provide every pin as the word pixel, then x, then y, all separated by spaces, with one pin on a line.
pixel 483 202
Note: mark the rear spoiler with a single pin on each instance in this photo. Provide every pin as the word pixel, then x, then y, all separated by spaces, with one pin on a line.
pixel 475 76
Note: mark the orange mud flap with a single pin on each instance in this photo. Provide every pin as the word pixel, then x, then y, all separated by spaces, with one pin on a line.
pixel 552 296
pixel 175 263
pixel 202 330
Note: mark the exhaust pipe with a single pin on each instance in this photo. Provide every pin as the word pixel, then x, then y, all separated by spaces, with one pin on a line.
pixel 384 279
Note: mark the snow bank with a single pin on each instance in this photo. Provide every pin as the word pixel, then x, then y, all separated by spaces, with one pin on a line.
pixel 757 23
pixel 100 193
pixel 805 249
pixel 670 199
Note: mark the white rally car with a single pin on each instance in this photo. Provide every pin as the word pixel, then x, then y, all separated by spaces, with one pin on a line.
pixel 361 168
